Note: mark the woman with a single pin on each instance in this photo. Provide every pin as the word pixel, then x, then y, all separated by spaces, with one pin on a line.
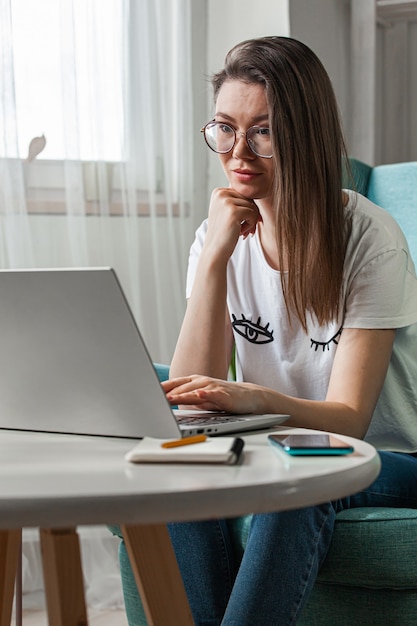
pixel 316 290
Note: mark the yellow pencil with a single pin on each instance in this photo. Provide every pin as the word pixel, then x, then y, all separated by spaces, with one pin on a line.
pixel 184 442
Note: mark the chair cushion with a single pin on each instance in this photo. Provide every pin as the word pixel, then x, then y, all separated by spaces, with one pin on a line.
pixel 371 547
pixel 239 531
pixel 374 548
pixel 370 573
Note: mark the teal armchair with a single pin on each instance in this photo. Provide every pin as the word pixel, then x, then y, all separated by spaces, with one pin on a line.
pixel 370 573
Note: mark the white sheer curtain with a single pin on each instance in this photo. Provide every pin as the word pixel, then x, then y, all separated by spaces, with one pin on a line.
pixel 120 192
pixel 15 240
pixel 113 185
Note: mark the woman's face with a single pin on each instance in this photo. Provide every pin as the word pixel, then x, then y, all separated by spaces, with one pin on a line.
pixel 242 105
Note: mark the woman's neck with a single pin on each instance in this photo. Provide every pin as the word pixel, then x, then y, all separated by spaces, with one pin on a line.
pixel 267 237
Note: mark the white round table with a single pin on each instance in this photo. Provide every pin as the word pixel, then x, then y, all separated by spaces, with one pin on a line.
pixel 56 482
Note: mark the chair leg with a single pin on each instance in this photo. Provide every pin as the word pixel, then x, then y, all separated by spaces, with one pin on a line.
pixel 10 540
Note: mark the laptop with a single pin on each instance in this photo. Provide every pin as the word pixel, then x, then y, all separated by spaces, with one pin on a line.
pixel 72 360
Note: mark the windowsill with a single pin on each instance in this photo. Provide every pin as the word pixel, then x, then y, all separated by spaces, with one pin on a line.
pixel 91 208
pixel 95 196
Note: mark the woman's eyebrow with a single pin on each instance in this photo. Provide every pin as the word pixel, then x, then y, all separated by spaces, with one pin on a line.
pixel 259 118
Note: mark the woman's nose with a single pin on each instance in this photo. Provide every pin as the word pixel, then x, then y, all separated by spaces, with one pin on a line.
pixel 241 148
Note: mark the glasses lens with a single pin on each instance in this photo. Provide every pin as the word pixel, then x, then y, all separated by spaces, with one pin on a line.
pixel 259 140
pixel 219 137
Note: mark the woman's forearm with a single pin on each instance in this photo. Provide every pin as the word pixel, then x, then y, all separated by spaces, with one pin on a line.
pixel 204 343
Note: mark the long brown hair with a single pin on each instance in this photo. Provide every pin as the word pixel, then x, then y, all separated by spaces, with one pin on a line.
pixel 308 151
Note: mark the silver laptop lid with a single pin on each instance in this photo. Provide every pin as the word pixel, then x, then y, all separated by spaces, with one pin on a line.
pixel 72 359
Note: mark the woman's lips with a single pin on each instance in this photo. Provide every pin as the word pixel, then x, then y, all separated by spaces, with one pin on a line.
pixel 245 175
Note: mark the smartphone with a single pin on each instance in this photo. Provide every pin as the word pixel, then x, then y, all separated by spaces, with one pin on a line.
pixel 311 444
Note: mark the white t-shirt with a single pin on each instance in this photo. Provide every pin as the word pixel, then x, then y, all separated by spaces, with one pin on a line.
pixel 379 291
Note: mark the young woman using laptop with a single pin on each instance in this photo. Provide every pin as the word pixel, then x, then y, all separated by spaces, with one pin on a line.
pixel 315 290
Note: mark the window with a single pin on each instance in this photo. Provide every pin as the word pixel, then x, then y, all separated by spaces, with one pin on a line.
pixel 81 101
pixel 44 77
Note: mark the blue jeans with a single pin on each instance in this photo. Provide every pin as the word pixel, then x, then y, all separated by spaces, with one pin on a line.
pixel 270 584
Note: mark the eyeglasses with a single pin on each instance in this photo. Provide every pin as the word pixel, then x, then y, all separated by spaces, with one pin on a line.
pixel 221 138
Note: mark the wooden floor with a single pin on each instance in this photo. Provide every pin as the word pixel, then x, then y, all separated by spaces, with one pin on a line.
pixel 107 617
pixel 34 613
pixel 33 599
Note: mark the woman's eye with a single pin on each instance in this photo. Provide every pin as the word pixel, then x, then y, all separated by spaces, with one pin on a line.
pixel 225 128
pixel 263 131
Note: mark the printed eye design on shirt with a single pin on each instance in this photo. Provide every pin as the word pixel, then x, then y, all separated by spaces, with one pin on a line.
pixel 252 331
pixel 326 344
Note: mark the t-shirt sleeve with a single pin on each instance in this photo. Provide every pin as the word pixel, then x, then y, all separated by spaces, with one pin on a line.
pixel 383 293
pixel 194 255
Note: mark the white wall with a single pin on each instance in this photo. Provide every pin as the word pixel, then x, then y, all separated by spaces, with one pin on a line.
pixel 232 21
pixel 323 25
pixel 388 130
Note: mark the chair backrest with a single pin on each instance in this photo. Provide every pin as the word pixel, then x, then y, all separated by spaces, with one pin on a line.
pixel 360 172
pixel 394 187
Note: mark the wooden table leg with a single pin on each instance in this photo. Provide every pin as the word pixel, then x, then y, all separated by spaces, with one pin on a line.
pixel 9 554
pixel 18 588
pixel 157 576
pixel 63 577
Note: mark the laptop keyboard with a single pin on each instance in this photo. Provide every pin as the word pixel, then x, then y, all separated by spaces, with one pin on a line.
pixel 211 418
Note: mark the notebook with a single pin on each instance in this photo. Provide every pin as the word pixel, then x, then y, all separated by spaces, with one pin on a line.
pixel 72 360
